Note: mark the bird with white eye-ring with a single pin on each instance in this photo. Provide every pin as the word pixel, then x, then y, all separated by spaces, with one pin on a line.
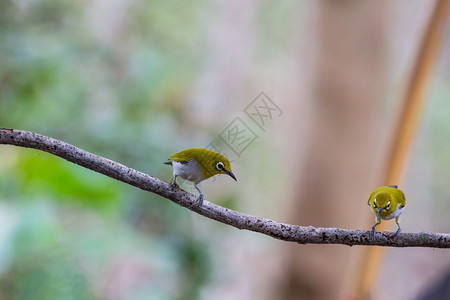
pixel 198 164
pixel 387 202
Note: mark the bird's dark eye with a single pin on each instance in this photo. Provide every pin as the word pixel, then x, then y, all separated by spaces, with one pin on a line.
pixel 220 166
pixel 374 202
pixel 389 205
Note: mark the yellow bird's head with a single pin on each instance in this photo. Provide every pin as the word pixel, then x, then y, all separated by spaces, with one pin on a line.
pixel 387 202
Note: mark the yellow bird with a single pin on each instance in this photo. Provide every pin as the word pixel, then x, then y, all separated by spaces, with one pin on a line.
pixel 387 202
pixel 198 164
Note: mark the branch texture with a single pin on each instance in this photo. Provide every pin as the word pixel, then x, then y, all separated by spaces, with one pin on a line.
pixel 281 231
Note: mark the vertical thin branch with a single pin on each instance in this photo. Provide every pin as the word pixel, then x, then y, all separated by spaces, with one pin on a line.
pixel 407 128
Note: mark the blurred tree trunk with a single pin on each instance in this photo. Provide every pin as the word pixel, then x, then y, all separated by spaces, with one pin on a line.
pixel 405 132
pixel 341 161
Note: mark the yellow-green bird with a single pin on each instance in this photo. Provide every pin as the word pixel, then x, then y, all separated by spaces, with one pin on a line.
pixel 198 164
pixel 387 202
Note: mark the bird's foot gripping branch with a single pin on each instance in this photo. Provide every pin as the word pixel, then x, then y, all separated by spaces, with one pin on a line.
pixel 281 231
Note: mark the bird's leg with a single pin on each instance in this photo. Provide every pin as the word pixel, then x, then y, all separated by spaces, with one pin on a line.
pixel 397 220
pixel 200 197
pixel 174 183
pixel 372 231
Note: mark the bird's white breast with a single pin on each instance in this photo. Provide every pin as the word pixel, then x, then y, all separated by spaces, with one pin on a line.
pixel 190 170
pixel 397 212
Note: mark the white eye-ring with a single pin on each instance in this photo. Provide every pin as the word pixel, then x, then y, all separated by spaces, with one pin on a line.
pixel 375 202
pixel 220 166
pixel 389 205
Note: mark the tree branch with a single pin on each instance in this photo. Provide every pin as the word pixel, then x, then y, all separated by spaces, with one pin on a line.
pixel 281 231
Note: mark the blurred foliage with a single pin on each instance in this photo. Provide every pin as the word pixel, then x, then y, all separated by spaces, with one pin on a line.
pixel 43 174
pixel 105 78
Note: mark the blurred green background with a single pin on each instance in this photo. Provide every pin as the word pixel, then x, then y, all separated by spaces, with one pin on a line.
pixel 135 81
pixel 67 232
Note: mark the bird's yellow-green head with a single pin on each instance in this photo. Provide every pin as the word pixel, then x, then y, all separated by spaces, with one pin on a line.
pixel 387 202
pixel 199 164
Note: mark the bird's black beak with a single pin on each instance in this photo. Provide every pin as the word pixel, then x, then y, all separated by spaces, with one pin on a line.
pixel 231 174
pixel 380 209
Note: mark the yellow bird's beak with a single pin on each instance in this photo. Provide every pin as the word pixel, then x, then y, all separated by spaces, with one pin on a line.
pixel 231 174
pixel 380 209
